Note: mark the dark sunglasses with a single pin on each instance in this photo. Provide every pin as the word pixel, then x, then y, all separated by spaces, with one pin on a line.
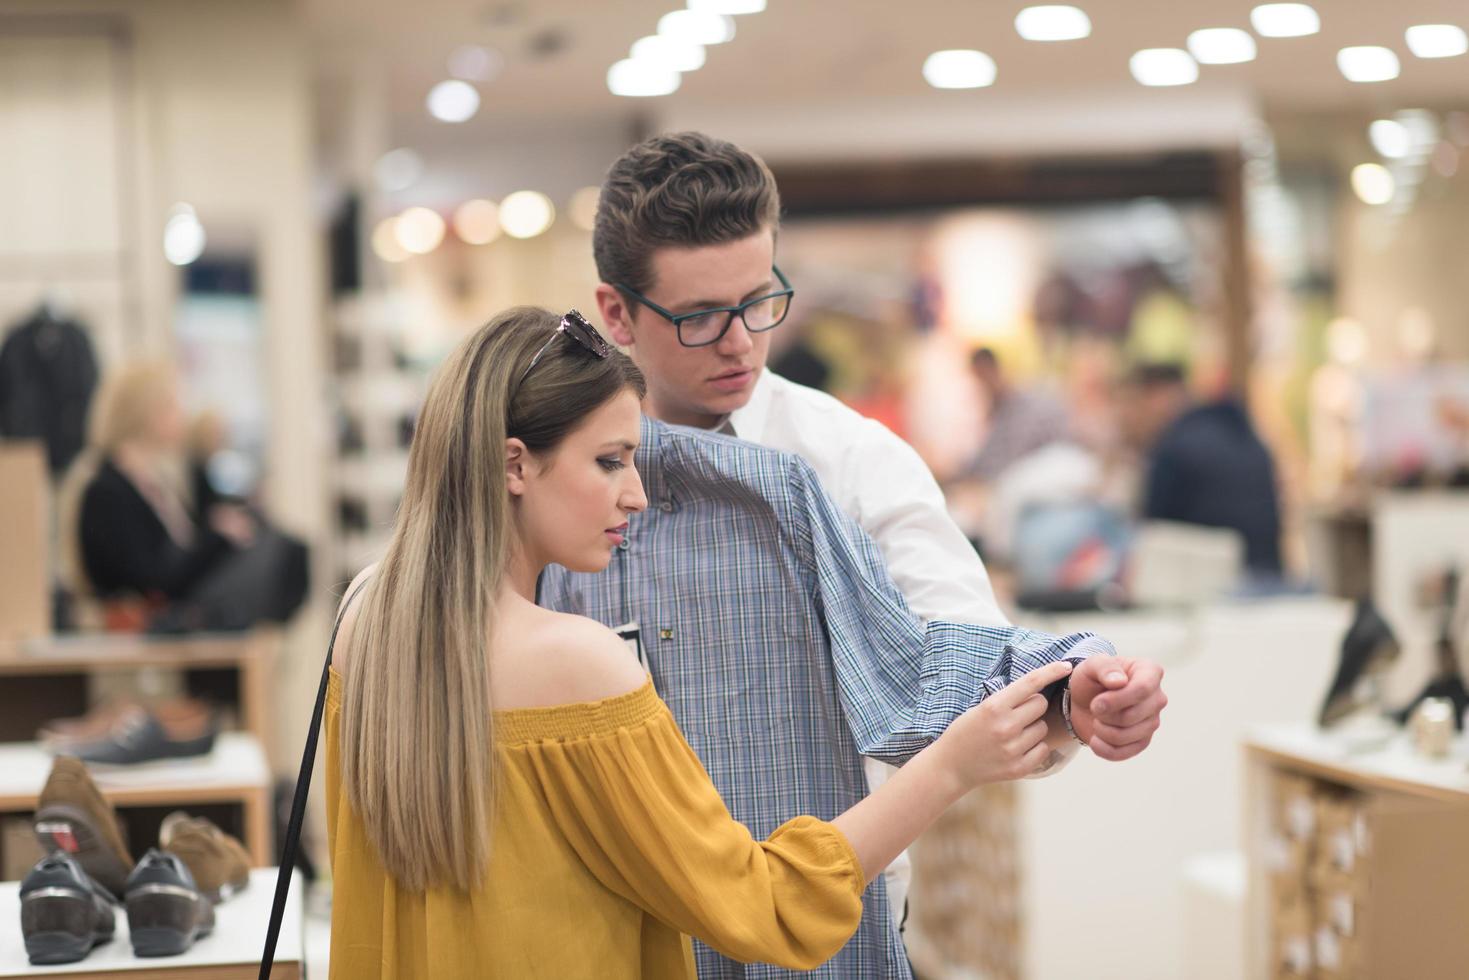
pixel 575 326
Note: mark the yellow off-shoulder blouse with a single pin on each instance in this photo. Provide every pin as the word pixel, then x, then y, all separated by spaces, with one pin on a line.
pixel 610 847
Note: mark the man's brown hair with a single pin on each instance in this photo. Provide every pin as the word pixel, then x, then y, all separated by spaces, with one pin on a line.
pixel 681 189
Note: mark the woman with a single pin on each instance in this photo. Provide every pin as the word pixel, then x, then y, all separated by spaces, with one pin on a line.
pixel 570 832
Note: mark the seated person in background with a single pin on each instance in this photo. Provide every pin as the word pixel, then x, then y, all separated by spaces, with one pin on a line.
pixel 1204 464
pixel 1018 420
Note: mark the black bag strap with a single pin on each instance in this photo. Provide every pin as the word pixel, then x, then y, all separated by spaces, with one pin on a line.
pixel 298 805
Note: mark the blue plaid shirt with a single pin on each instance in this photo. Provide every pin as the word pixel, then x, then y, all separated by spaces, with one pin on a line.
pixel 785 652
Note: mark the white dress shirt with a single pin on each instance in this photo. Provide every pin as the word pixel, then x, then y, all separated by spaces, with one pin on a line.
pixel 883 484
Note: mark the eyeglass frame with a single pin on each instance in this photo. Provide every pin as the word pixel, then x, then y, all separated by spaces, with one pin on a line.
pixel 595 343
pixel 676 319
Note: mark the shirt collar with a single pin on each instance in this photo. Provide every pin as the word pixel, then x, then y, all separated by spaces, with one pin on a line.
pixel 749 422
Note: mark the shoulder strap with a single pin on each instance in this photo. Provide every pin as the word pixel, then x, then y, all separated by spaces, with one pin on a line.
pixel 298 805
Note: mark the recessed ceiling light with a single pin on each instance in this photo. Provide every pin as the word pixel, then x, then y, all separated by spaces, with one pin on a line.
pixel 959 68
pixel 1368 63
pixel 1390 138
pixel 1285 20
pixel 583 207
pixel 1221 46
pixel 727 6
pixel 453 101
pixel 697 27
pixel 1437 40
pixel 634 78
pixel 1163 67
pixel 398 170
pixel 1053 23
pixel 419 230
pixel 385 241
pixel 183 235
pixel 1373 183
pixel 668 54
pixel 525 214
pixel 477 222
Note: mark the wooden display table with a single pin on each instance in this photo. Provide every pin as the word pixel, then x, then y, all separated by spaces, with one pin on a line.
pixel 1358 861
pixel 234 774
pixel 231 952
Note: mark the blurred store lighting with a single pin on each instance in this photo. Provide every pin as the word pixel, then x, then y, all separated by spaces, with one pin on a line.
pixel 1416 333
pixel 1437 40
pixel 1373 183
pixel 583 207
pixel 1160 67
pixel 638 79
pixel 1053 23
pixel 477 222
pixel 727 6
pixel 668 54
pixel 1346 341
pixel 1285 20
pixel 474 63
pixel 1445 159
pixel 1221 46
pixel 385 242
pixel 1368 63
pixel 398 170
pixel 453 101
pixel 525 214
pixel 1457 127
pixel 419 230
pixel 183 235
pixel 1390 138
pixel 959 68
pixel 697 27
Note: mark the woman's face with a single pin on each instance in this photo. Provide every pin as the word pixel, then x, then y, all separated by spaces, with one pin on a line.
pixel 167 426
pixel 574 501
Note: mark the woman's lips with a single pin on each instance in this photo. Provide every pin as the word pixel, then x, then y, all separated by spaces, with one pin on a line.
pixel 617 534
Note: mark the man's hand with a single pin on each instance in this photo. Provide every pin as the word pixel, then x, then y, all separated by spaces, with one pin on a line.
pixel 1116 704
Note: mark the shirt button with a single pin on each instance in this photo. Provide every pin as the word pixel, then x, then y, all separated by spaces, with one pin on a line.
pixel 624 544
pixel 666 506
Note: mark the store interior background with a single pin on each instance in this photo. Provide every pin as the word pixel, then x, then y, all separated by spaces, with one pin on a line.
pixel 1071 218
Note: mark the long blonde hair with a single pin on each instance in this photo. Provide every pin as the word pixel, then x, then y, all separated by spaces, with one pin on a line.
pixel 417 739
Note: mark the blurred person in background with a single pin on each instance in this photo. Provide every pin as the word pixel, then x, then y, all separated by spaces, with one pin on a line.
pixel 1018 421
pixel 1203 463
pixel 131 533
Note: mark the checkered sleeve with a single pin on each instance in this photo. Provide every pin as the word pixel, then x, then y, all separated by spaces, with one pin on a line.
pixel 902 681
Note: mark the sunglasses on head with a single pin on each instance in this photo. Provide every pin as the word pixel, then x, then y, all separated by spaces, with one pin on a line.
pixel 577 327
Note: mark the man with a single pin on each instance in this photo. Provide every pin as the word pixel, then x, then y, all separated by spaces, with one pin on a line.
pixel 722 574
pixel 1205 464
pixel 1019 422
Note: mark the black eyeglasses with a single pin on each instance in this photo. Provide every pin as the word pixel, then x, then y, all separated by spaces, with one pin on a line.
pixel 575 326
pixel 704 327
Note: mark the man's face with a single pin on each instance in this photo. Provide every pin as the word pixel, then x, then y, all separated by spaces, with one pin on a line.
pixel 696 385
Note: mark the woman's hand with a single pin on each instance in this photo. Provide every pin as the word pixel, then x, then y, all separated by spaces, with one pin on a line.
pixel 1003 738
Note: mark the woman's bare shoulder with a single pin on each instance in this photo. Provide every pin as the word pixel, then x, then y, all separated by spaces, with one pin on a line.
pixel 548 658
pixel 348 609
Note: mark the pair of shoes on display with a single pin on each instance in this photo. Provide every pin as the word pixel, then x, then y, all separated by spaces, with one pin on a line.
pixel 169 895
pixel 129 734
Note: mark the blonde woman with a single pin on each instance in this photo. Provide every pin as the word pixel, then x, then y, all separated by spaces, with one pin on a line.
pixel 506 794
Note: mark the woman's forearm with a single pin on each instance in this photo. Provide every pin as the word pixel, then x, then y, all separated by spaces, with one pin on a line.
pixel 887 822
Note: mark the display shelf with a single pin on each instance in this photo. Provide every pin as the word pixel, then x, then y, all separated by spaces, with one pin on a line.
pixel 231 952
pixel 235 773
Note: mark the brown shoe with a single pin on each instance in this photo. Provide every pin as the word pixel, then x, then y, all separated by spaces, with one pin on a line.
pixel 73 816
pixel 218 862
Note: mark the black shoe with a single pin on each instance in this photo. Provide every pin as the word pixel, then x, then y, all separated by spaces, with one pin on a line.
pixel 63 913
pixel 169 731
pixel 166 912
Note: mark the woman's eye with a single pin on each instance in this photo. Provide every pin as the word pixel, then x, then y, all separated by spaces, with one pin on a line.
pixel 610 465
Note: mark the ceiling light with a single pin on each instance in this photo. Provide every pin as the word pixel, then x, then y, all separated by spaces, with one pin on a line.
pixel 961 68
pixel 1164 66
pixel 183 236
pixel 1437 40
pixel 1422 127
pixel 1285 20
pixel 419 230
pixel 525 214
pixel 1390 138
pixel 397 170
pixel 669 54
pixel 697 27
pixel 477 222
pixel 1221 46
pixel 453 101
pixel 1053 23
pixel 635 78
pixel 474 63
pixel 727 6
pixel 1367 63
pixel 385 241
pixel 1373 183
pixel 583 207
